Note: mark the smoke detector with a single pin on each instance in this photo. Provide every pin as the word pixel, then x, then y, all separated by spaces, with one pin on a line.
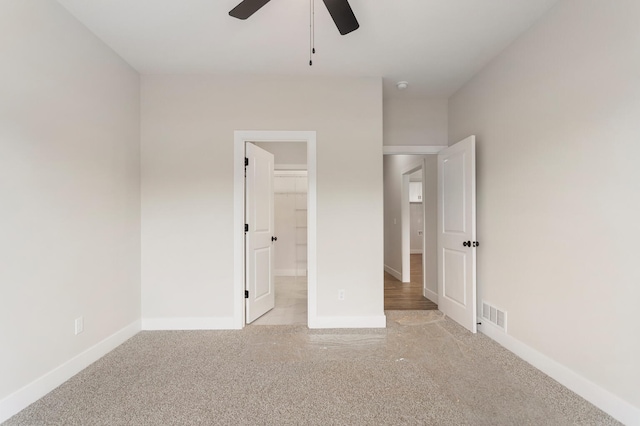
pixel 401 85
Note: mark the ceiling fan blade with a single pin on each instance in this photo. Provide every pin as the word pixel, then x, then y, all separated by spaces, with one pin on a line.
pixel 342 15
pixel 247 8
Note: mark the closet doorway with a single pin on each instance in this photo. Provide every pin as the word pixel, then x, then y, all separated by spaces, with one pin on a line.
pixel 240 140
pixel 290 189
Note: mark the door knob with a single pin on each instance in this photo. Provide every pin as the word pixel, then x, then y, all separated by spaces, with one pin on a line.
pixel 466 243
pixel 274 238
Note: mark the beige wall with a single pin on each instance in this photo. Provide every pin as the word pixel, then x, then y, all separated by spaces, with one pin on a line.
pixel 394 167
pixel 409 121
pixel 557 122
pixel 187 187
pixel 288 154
pixel 69 185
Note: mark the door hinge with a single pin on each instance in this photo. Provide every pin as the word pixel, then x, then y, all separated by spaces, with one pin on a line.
pixel 246 161
pixel 246 227
pixel 246 294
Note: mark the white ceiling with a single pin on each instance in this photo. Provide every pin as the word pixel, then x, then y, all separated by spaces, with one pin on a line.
pixel 436 45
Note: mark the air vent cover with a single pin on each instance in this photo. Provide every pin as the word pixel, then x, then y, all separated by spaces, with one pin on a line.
pixel 495 316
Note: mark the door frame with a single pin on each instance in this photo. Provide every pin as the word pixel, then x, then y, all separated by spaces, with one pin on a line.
pixel 240 138
pixel 405 222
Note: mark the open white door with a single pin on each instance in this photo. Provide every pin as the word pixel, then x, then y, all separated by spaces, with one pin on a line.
pixel 457 232
pixel 260 234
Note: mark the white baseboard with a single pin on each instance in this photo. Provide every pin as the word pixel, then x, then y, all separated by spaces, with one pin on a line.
pixel 396 274
pixel 416 251
pixel 611 404
pixel 378 321
pixel 290 273
pixel 35 390
pixel 431 295
pixel 205 323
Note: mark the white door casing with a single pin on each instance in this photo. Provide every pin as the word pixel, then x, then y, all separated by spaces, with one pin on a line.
pixel 240 139
pixel 259 209
pixel 405 220
pixel 457 233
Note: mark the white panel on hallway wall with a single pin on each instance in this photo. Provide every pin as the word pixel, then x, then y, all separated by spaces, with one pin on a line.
pixel 415 192
pixel 416 227
pixel 291 225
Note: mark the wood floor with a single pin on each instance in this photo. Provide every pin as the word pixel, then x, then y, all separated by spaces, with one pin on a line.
pixel 407 296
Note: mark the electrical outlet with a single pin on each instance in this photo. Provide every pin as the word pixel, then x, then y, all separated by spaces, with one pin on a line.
pixel 79 325
pixel 341 294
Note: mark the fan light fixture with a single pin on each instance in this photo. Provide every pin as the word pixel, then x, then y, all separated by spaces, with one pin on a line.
pixel 340 12
pixel 401 85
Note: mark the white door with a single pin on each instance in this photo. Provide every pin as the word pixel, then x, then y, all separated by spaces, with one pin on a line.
pixel 457 232
pixel 260 234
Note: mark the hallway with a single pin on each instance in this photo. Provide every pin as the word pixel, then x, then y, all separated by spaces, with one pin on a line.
pixel 407 296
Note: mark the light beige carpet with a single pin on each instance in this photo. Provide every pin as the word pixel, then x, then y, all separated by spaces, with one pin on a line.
pixel 423 369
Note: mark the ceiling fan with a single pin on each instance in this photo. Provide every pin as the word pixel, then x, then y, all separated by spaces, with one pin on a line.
pixel 340 11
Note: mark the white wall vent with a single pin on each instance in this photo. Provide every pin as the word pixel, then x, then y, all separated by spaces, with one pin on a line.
pixel 495 316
